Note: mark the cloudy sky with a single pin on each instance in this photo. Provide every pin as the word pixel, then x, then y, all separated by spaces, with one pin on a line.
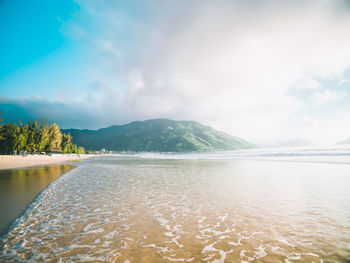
pixel 262 70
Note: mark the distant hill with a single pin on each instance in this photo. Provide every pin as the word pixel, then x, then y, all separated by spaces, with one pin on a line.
pixel 347 141
pixel 157 135
pixel 292 143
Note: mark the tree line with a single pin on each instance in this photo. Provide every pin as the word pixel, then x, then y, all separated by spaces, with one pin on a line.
pixel 35 137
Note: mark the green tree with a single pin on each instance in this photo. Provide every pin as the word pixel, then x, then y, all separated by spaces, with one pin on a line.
pixel 43 138
pixel 66 143
pixel 80 150
pixel 1 125
pixel 20 141
pixel 9 134
pixel 55 138
pixel 32 130
pixel 74 148
pixel 34 137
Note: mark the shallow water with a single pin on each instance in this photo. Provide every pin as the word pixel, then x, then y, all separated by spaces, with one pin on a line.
pixel 162 210
pixel 19 187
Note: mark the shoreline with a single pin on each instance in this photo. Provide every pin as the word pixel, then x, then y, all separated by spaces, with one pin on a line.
pixel 20 187
pixel 17 161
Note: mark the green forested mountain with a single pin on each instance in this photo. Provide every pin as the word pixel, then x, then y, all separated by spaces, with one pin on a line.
pixel 157 135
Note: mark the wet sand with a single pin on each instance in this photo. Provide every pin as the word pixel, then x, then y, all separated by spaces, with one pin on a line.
pixel 19 187
pixel 17 161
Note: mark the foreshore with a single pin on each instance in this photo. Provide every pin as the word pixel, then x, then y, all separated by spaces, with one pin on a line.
pixel 17 161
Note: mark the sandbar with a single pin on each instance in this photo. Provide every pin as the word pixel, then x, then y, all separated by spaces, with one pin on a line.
pixel 17 161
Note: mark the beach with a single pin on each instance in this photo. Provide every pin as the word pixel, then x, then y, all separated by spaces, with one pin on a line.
pixel 17 161
pixel 183 208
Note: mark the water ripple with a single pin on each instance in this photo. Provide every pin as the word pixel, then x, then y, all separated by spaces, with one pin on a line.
pixel 140 210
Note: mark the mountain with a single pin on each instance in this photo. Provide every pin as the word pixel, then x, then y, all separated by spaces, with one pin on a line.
pixel 157 135
pixel 292 143
pixel 347 141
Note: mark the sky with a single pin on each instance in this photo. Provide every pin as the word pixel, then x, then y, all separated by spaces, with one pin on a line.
pixel 263 70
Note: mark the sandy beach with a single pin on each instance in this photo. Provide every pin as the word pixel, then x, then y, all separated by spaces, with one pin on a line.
pixel 16 161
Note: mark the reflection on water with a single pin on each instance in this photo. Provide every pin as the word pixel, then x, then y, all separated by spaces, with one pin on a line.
pixel 18 188
pixel 139 210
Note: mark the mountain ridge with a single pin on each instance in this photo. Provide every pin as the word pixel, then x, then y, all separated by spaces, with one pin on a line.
pixel 157 135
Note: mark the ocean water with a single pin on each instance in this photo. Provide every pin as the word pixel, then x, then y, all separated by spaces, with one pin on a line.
pixel 189 208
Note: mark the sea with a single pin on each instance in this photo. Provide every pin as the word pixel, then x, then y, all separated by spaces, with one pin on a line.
pixel 261 205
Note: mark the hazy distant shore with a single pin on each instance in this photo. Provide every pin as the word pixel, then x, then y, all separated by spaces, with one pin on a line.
pixel 17 161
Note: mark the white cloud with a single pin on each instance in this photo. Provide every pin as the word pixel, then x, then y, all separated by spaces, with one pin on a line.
pixel 342 81
pixel 307 83
pixel 327 96
pixel 224 63
pixel 328 130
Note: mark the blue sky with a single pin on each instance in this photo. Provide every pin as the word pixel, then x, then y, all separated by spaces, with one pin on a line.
pixel 34 51
pixel 278 67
